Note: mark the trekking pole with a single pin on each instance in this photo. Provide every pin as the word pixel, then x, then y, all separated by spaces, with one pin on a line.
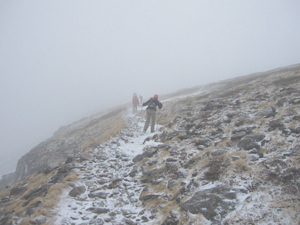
pixel 157 120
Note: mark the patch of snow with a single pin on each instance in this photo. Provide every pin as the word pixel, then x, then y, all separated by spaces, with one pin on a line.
pixel 123 198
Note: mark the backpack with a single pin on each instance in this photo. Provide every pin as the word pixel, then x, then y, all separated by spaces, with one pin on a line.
pixel 152 103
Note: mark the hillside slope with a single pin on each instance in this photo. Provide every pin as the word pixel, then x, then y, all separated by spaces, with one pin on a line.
pixel 224 153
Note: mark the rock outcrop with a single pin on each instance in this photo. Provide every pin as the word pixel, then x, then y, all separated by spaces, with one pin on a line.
pixel 52 153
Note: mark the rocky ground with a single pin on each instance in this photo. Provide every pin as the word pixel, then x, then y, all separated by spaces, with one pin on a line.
pixel 225 153
pixel 109 188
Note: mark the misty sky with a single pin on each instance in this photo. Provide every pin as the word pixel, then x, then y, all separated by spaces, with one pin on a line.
pixel 64 60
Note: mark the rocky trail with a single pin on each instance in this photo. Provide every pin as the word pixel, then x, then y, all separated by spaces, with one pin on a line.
pixel 108 190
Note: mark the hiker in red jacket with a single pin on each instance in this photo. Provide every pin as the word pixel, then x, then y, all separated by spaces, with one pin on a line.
pixel 151 111
pixel 135 102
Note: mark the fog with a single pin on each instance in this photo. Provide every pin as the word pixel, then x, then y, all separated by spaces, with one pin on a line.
pixel 61 61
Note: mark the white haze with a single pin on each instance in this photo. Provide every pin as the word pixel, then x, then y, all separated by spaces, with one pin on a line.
pixel 64 60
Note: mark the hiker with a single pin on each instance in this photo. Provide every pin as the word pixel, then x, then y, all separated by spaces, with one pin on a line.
pixel 135 102
pixel 151 110
pixel 140 100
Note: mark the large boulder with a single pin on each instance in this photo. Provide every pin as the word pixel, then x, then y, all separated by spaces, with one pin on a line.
pixel 53 162
pixel 45 157
pixel 215 203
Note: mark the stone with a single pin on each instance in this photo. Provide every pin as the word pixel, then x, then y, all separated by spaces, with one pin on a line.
pixel 98 194
pixel 212 105
pixel 171 135
pixel 149 153
pixel 171 160
pixel 170 221
pixel 61 173
pixel 138 158
pixel 32 207
pixel 99 204
pixel 281 102
pixel 152 162
pixel 253 157
pixel 191 162
pixel 98 210
pixel 103 181
pixel 218 152
pixel 201 147
pixel 37 192
pixel 150 196
pixel 238 136
pixel 126 212
pixel 134 171
pixel 175 151
pixel 69 159
pixel 96 221
pixel 296 118
pixel 295 130
pixel 274 163
pixel 102 156
pixel 267 113
pixel 4 200
pixel 204 141
pixel 171 167
pixel 187 136
pixel 86 156
pixel 274 124
pixel 40 219
pixel 215 203
pixel 156 182
pixel 6 180
pixel 171 183
pixel 17 190
pixel 4 220
pixel 53 162
pixel 294 101
pixel 145 219
pixel 129 221
pixel 250 141
pixel 77 191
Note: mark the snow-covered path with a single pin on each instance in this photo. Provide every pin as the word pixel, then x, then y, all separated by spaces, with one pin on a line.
pixel 110 181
